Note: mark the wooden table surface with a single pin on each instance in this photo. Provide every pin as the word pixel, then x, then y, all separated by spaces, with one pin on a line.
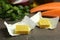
pixel 36 34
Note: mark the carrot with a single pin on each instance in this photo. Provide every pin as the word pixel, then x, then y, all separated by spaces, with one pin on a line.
pixel 52 13
pixel 48 6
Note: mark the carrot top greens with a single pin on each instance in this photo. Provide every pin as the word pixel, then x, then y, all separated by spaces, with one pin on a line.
pixel 13 12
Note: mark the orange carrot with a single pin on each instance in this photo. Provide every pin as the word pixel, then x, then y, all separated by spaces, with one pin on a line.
pixel 48 6
pixel 52 13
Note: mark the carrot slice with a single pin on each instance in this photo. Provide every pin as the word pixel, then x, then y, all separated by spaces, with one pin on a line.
pixel 52 13
pixel 48 6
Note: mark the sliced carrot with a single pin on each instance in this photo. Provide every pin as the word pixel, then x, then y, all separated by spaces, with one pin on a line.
pixel 52 13
pixel 48 6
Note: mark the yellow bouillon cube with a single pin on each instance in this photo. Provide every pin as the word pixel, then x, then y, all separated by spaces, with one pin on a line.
pixel 44 23
pixel 22 29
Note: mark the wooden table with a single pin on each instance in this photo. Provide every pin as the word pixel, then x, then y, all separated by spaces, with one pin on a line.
pixel 36 34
